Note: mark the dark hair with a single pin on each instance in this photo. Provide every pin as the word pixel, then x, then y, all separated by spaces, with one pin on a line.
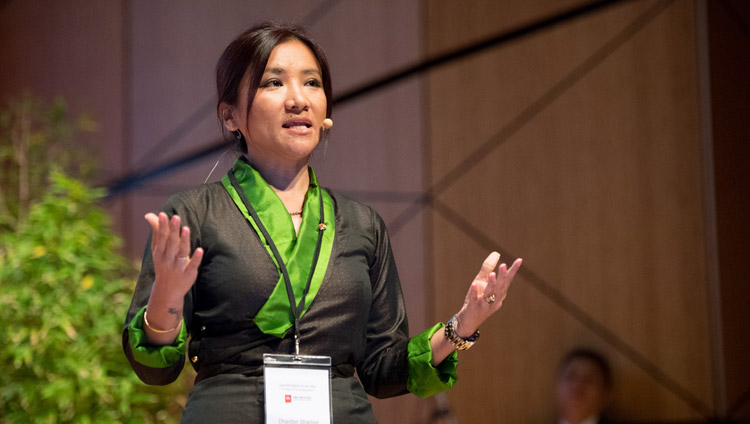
pixel 590 355
pixel 249 53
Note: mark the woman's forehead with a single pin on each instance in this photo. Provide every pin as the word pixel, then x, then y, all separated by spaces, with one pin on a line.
pixel 292 56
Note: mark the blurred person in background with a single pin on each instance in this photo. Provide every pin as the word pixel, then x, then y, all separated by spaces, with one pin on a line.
pixel 583 387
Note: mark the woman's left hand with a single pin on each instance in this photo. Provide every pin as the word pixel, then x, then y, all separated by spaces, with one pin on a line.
pixel 486 294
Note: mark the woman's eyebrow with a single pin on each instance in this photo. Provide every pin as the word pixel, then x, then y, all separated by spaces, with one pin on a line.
pixel 280 71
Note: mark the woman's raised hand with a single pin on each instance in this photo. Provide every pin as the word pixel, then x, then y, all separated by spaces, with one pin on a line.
pixel 486 294
pixel 170 248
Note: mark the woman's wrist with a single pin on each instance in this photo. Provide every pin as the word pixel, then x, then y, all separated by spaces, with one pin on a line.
pixel 150 327
pixel 463 326
pixel 163 292
pixel 162 332
pixel 163 315
pixel 459 341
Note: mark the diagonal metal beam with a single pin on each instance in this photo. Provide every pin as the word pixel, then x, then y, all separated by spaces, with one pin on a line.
pixel 124 185
pixel 472 49
pixel 530 112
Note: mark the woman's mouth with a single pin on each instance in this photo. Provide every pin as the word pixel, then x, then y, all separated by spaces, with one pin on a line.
pixel 297 125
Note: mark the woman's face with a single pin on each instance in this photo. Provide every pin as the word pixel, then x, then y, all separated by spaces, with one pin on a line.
pixel 286 117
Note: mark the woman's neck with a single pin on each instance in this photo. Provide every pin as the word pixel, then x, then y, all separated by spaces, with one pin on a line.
pixel 289 183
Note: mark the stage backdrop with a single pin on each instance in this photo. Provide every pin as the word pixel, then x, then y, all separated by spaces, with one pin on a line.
pixel 587 150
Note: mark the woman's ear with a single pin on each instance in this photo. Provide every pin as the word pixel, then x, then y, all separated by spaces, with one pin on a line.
pixel 227 114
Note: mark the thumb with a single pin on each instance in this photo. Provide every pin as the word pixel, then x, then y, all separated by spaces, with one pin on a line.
pixel 195 261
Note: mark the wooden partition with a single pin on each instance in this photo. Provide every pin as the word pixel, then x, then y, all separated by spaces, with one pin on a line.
pixel 579 149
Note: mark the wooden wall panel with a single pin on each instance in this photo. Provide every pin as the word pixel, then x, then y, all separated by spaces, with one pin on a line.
pixel 590 169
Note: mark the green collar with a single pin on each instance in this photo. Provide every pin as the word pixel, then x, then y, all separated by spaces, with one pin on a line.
pixel 296 251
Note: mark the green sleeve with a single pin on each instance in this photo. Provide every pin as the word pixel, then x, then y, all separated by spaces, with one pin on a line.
pixel 150 355
pixel 424 379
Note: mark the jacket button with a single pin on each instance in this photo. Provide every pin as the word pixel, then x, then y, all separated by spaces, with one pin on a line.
pixel 194 359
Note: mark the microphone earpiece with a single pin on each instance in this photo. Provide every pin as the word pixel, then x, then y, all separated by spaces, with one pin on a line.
pixel 327 123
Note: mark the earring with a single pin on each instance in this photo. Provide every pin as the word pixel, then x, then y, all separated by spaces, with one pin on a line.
pixel 237 134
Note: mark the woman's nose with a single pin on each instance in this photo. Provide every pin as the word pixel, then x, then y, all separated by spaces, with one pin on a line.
pixel 296 99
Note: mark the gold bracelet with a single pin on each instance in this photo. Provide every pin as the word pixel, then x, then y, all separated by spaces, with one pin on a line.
pixel 145 321
pixel 457 341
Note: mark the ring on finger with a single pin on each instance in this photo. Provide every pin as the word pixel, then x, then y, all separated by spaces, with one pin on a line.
pixel 183 259
pixel 490 299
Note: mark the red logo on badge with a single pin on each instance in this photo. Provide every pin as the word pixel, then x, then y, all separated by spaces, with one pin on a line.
pixel 287 398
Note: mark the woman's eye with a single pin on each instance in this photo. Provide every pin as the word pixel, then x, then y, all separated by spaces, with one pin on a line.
pixel 314 83
pixel 272 83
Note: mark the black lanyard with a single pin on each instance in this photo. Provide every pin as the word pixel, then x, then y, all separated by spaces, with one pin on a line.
pixel 295 308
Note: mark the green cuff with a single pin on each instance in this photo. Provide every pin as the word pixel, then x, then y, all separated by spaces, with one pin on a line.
pixel 150 355
pixel 424 379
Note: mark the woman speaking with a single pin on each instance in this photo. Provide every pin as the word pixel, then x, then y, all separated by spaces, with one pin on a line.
pixel 267 265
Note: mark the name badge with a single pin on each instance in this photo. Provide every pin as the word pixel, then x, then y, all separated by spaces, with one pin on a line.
pixel 297 389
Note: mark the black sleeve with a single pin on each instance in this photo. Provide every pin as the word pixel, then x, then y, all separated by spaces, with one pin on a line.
pixel 384 369
pixel 161 376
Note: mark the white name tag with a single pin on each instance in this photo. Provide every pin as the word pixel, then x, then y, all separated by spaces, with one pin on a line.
pixel 297 389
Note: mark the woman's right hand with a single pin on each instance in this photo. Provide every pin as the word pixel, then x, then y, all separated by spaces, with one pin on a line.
pixel 174 274
pixel 170 249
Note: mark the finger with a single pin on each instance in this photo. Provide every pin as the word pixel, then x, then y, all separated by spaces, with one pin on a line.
pixel 160 235
pixel 506 276
pixel 491 284
pixel 184 248
pixel 474 292
pixel 492 292
pixel 153 221
pixel 500 290
pixel 488 266
pixel 514 268
pixel 173 240
pixel 511 272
